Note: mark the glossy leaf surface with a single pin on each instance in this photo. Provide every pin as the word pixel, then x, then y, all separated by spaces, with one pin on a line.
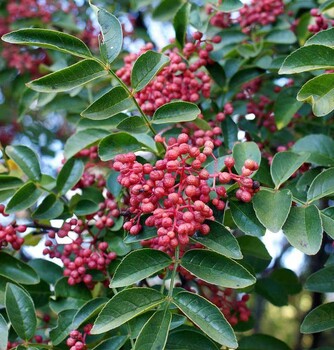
pixel 207 317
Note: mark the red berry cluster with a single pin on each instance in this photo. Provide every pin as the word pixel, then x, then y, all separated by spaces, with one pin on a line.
pixel 86 250
pixel 176 192
pixel 260 105
pixel 77 340
pixel 175 81
pixel 9 234
pixel 30 9
pixel 12 345
pixel 234 309
pixel 259 12
pixel 218 18
pixel 26 59
pixel 37 338
pixel 321 22
pixel 93 175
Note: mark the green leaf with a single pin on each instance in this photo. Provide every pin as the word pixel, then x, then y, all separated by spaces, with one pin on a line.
pixel 47 270
pixel 114 343
pixel 303 229
pixel 321 186
pixel 320 147
pixel 176 112
pixel 26 159
pixel 147 142
pixel 154 334
pixel 180 23
pixel 207 317
pixel 244 76
pixel 321 281
pixel 64 326
pixel 112 34
pixel 3 333
pixel 117 244
pixel 286 106
pixel 124 306
pixel 49 39
pixel 62 304
pixel 255 253
pixel 248 50
pixel 230 132
pixel 285 164
pixel 217 73
pixel 48 182
pixel 50 208
pixel 272 208
pixel 136 324
pixel 287 279
pixel 6 194
pixel 69 78
pixel 40 293
pixel 11 267
pixel 69 175
pixel 88 310
pixel 71 319
pixel 220 240
pixel 83 139
pixel 327 5
pixel 146 67
pixel 187 339
pixel 279 36
pixel 77 291
pixel 244 217
pixel 139 265
pixel 21 311
pixel 118 143
pixel 86 207
pixel 324 37
pixel 24 198
pixel 243 151
pixel 111 103
pixel 261 342
pixel 230 5
pixel 272 291
pixel 166 9
pixel 9 182
pixel 319 92
pixel 327 218
pixel 308 58
pixel 133 125
pixel 319 319
pixel 217 269
pixel 113 186
pixel 109 124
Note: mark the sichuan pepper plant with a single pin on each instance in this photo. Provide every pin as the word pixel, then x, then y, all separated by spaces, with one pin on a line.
pixel 179 162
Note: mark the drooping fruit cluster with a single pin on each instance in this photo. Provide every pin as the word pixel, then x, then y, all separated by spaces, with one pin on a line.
pixel 176 193
pixel 227 300
pixel 87 252
pixel 177 81
pixel 77 340
pixel 9 234
pixel 259 13
pixel 321 22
